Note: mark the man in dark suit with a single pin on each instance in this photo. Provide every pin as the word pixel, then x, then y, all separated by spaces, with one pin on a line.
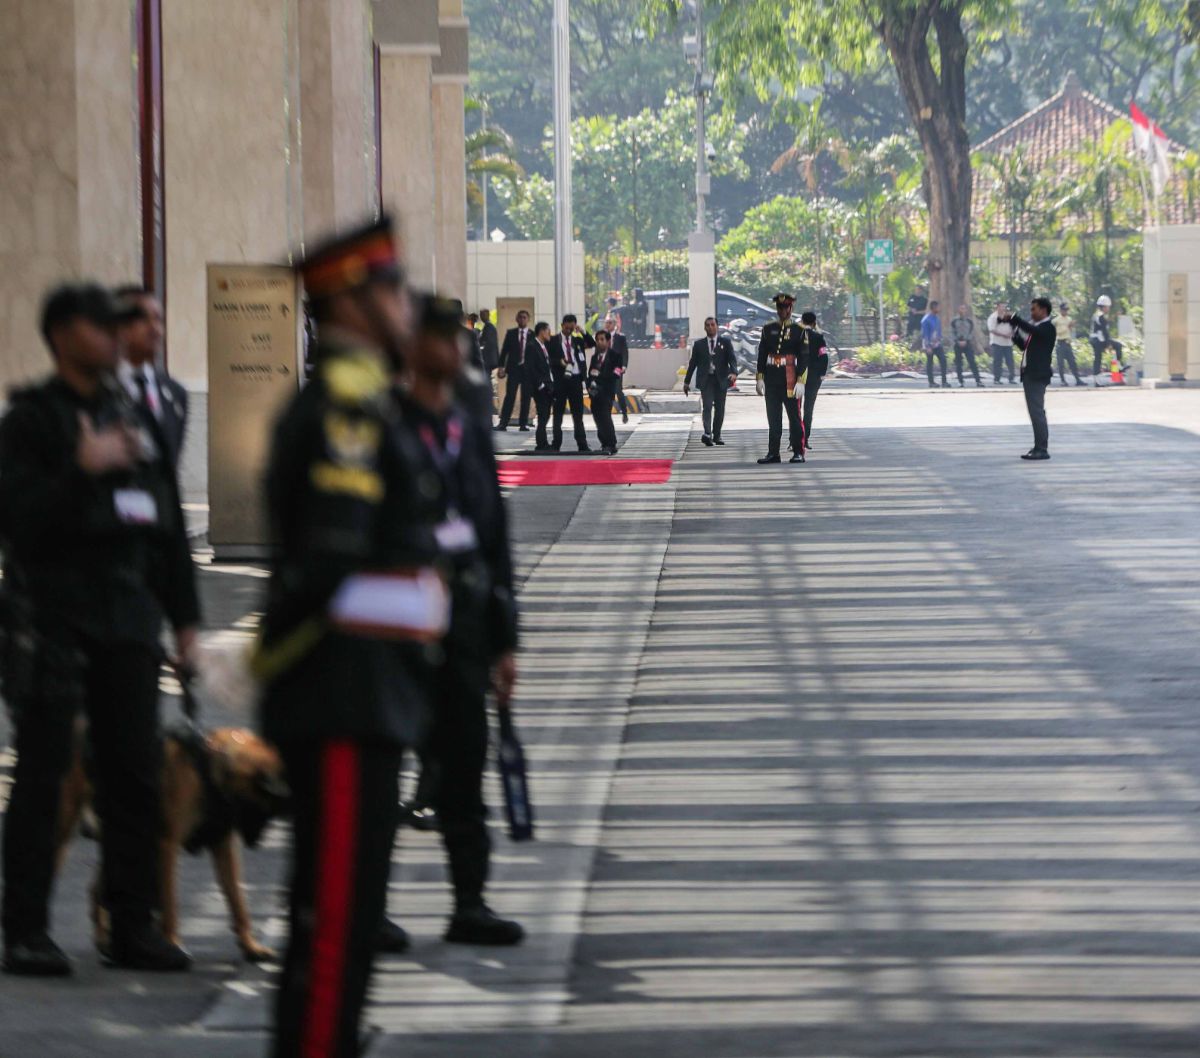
pixel 620 348
pixel 489 341
pixel 540 381
pixel 568 361
pixel 141 338
pixel 512 367
pixel 715 366
pixel 1036 338
pixel 603 376
pixel 818 365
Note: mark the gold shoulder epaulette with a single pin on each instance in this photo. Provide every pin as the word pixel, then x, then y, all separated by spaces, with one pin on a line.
pixel 354 379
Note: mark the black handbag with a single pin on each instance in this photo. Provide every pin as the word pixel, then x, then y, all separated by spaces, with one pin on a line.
pixel 514 777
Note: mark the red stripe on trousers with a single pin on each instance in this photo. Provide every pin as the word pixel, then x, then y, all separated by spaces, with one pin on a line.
pixel 337 851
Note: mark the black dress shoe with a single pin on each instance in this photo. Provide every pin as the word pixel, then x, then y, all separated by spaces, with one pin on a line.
pixel 500 429
pixel 523 429
pixel 718 441
pixel 769 459
pixel 706 441
pixel 419 817
pixel 1036 455
pixel 797 458
pixel 481 925
pixel 545 449
pixel 143 947
pixel 36 956
pixel 625 418
pixel 584 449
pixel 392 939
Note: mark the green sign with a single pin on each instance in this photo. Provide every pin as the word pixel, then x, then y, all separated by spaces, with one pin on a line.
pixel 880 260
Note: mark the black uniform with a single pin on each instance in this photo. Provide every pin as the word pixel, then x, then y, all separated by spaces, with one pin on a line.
pixel 778 341
pixel 568 363
pixel 1036 342
pixel 474 542
pixel 603 376
pixel 353 626
pixel 489 343
pixel 540 379
pixel 962 333
pixel 818 367
pixel 512 362
pixel 712 362
pixel 620 346
pixel 917 305
pixel 98 563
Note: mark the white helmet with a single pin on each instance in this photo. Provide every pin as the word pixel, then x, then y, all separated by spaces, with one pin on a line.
pixel 1104 301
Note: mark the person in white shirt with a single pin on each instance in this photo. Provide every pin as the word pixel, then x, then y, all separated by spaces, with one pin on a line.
pixel 141 340
pixel 1000 335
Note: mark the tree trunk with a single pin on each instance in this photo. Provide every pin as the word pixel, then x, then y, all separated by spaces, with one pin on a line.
pixel 937 103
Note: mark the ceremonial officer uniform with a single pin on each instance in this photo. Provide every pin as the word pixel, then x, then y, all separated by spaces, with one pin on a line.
pixel 355 616
pixel 98 558
pixel 818 366
pixel 473 540
pixel 781 364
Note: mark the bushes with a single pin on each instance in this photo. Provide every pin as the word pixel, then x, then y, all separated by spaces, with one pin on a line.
pixel 884 356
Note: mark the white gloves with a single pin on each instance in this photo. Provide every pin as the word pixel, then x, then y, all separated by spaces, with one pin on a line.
pixel 758 387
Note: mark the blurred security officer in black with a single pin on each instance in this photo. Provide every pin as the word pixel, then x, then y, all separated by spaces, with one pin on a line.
pixel 539 376
pixel 96 550
pixel 355 615
pixel 568 362
pixel 715 366
pixel 817 356
pixel 481 645
pixel 781 363
pixel 512 367
pixel 1036 339
pixel 620 347
pixel 141 337
pixel 489 341
pixel 603 376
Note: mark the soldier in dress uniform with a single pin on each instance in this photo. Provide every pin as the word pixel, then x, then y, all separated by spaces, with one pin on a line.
pixel 356 611
pixel 782 359
pixel 817 355
pixel 436 400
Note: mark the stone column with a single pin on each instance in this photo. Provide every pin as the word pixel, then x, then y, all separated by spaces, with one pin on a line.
pixel 230 105
pixel 407 34
pixel 68 161
pixel 450 77
pixel 337 111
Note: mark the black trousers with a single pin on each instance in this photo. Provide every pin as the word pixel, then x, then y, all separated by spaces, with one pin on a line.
pixel 1035 401
pixel 516 380
pixel 1002 356
pixel 965 350
pixel 117 687
pixel 622 400
pixel 779 403
pixel 344 822
pixel 569 391
pixel 812 386
pixel 452 779
pixel 602 416
pixel 713 392
pixel 1066 358
pixel 1098 350
pixel 940 352
pixel 543 399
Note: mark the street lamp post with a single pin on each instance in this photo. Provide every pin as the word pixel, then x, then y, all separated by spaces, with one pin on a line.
pixel 702 267
pixel 563 226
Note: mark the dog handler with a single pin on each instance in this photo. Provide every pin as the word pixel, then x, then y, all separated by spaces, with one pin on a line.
pixel 355 615
pixel 96 554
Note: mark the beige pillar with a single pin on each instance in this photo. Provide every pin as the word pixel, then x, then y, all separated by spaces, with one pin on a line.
pixel 68 161
pixel 450 77
pixel 407 34
pixel 337 115
pixel 230 92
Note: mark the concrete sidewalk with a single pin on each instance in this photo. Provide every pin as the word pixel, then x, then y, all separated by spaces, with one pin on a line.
pixel 894 753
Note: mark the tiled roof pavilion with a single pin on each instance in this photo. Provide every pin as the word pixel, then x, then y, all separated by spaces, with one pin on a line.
pixel 1058 127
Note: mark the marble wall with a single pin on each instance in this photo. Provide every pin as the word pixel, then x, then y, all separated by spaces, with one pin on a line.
pixel 68 161
pixel 1171 250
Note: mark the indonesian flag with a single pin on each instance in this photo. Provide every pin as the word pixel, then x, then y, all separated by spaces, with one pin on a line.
pixel 1153 145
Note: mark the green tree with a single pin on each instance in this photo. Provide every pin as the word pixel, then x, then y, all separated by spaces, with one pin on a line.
pixel 1018 191
pixel 489 151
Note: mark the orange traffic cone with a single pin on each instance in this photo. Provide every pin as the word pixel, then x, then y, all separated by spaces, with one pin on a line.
pixel 658 342
pixel 1118 378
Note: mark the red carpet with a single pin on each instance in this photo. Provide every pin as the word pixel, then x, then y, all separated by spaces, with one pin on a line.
pixel 585 471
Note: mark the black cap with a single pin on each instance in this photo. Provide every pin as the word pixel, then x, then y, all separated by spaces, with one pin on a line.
pixel 440 316
pixel 781 297
pixel 89 301
pixel 350 261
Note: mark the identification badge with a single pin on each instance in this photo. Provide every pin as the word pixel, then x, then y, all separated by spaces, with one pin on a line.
pixel 456 535
pixel 135 507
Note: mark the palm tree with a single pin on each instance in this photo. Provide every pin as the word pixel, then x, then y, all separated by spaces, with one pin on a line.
pixel 1015 187
pixel 490 153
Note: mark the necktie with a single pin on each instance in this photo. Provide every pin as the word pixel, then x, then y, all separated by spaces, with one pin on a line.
pixel 712 348
pixel 521 358
pixel 144 392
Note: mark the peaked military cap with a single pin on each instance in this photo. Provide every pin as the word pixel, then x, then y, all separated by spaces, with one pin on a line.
pixel 347 262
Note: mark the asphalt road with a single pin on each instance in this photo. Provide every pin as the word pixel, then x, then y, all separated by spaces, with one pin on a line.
pixel 894 753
